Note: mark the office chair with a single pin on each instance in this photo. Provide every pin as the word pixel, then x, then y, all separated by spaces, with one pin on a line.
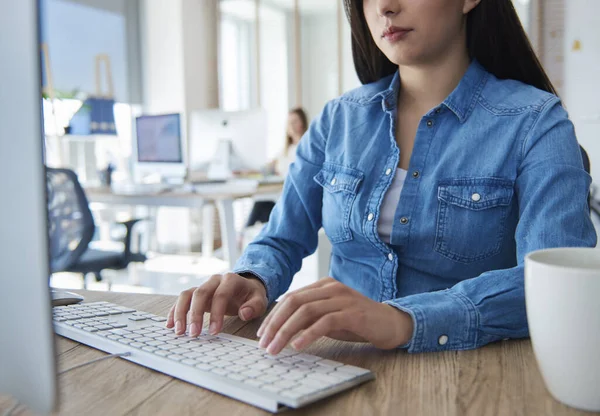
pixel 71 229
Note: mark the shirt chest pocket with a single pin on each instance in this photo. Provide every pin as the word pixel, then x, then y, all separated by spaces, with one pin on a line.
pixel 471 219
pixel 340 185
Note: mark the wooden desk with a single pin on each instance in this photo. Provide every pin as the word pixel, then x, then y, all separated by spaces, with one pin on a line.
pixel 500 379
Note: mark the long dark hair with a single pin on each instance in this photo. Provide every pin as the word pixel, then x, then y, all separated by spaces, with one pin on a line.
pixel 299 111
pixel 495 37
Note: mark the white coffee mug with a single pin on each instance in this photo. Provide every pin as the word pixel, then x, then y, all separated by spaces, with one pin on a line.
pixel 562 293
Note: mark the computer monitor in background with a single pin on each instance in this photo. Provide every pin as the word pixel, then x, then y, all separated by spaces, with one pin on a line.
pixel 159 147
pixel 213 132
pixel 27 355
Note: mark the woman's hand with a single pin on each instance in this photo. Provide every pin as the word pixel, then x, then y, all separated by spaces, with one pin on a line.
pixel 228 294
pixel 330 308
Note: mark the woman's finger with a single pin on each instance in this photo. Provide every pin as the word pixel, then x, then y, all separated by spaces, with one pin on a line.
pixel 285 309
pixel 221 299
pixel 181 309
pixel 318 284
pixel 201 300
pixel 170 317
pixel 335 321
pixel 302 318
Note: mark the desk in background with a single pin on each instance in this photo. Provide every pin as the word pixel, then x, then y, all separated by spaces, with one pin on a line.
pixel 499 379
pixel 205 196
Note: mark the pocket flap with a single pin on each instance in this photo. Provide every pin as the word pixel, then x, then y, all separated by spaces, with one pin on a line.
pixel 476 193
pixel 337 178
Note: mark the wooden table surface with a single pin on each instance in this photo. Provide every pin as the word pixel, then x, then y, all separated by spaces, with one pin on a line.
pixel 499 379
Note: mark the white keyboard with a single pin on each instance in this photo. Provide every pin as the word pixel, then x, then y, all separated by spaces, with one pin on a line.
pixel 226 364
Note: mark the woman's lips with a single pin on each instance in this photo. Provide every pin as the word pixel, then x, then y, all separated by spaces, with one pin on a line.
pixel 394 34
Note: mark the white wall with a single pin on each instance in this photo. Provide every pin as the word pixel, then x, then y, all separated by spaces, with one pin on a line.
pixel 582 83
pixel 319 60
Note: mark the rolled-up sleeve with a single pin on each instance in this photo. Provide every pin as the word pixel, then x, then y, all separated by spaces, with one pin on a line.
pixel 552 191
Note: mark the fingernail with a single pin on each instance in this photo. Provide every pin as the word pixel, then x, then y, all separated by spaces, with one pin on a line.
pixel 246 313
pixel 263 342
pixel 273 346
pixel 212 328
pixel 179 327
pixel 194 330
pixel 298 343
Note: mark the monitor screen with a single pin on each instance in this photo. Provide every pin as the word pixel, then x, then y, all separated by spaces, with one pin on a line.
pixel 159 138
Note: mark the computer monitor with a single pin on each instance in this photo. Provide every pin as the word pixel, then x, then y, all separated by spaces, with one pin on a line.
pixel 244 131
pixel 27 353
pixel 159 146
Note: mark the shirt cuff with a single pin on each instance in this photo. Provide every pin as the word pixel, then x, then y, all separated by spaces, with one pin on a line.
pixel 443 320
pixel 265 274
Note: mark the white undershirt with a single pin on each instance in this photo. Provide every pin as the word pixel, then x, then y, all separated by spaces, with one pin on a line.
pixel 389 205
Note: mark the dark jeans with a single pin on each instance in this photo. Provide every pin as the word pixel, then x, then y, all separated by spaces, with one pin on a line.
pixel 260 212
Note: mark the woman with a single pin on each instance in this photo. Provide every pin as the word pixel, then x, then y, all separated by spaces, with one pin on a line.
pixel 297 125
pixel 457 112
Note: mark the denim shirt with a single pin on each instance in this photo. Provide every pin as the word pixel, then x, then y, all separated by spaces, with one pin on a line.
pixel 495 173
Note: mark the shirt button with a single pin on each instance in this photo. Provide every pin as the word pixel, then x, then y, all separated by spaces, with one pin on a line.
pixel 443 340
pixel 333 181
pixel 437 111
pixel 476 197
pixel 388 172
pixel 370 217
pixel 404 220
pixel 416 174
pixel 390 257
pixel 429 123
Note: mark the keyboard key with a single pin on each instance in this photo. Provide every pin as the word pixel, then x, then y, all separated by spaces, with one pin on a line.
pixel 204 367
pixel 118 325
pixel 219 371
pixel 137 345
pixel 132 336
pixel 236 376
pixel 260 366
pixel 124 309
pixel 175 357
pixel 342 376
pixel 162 353
pixel 254 382
pixel 103 327
pixel 100 313
pixel 272 388
pixel 71 317
pixel 245 361
pixel 120 331
pixel 350 369
pixel 90 329
pixel 158 319
pixel 228 357
pixel 58 319
pixel 287 384
pixel 312 382
pixel 142 332
pixel 329 363
pixel 155 343
pixel 149 349
pixel 274 371
pixel 205 359
pixel 221 364
pixel 293 375
pixel 267 378
pixel 114 337
pixel 252 373
pixel 194 354
pixel 180 351
pixel 137 318
pixel 308 358
pixel 167 347
pixel 189 361
pixel 323 377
